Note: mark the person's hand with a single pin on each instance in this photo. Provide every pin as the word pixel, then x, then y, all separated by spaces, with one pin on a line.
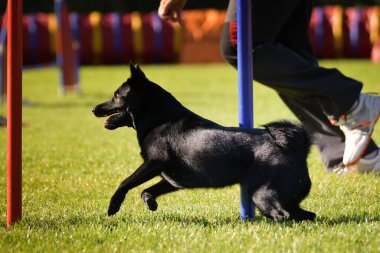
pixel 171 9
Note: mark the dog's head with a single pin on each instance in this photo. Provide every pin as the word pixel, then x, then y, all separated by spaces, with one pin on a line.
pixel 125 103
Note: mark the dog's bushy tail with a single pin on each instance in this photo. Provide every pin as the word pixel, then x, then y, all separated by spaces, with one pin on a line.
pixel 290 135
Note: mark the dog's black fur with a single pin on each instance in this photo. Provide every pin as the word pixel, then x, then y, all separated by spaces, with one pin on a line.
pixel 188 151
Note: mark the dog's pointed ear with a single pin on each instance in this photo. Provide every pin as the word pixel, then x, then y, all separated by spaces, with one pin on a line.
pixel 141 73
pixel 136 72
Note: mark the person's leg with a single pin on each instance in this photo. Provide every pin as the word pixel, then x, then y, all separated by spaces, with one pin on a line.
pixel 294 35
pixel 329 139
pixel 282 69
pixel 284 61
pixel 285 69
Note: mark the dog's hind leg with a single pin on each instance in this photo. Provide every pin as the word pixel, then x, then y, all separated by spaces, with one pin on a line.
pixel 267 201
pixel 145 172
pixel 150 194
pixel 280 205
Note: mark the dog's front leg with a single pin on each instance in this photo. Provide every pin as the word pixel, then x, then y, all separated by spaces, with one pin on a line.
pixel 145 172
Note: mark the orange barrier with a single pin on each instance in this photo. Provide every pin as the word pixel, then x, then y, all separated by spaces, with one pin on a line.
pixel 202 36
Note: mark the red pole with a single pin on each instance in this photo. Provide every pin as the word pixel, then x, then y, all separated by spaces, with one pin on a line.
pixel 14 103
pixel 68 52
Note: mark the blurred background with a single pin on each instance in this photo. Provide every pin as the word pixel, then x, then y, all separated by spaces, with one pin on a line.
pixel 149 5
pixel 117 31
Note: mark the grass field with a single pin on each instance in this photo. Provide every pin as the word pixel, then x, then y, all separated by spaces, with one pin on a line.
pixel 72 165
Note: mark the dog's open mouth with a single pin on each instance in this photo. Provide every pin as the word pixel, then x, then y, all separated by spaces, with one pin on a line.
pixel 115 120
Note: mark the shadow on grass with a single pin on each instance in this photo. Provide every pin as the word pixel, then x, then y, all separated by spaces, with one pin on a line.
pixel 358 218
pixel 111 223
pixel 197 220
pixel 182 220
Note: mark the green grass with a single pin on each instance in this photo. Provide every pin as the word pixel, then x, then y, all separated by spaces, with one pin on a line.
pixel 72 165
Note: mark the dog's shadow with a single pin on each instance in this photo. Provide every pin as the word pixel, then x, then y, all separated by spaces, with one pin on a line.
pixel 259 219
pixel 197 220
pixel 358 218
pixel 202 221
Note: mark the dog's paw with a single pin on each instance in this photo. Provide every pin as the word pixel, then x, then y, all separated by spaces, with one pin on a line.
pixel 151 204
pixel 149 201
pixel 112 209
pixel 115 204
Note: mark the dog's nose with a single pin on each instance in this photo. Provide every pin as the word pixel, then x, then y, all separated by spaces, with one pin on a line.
pixel 93 109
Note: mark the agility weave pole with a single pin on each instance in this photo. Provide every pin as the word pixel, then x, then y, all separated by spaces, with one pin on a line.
pixel 67 51
pixel 65 45
pixel 14 103
pixel 245 88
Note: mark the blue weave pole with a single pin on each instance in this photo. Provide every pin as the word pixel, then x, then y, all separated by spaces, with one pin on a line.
pixel 245 88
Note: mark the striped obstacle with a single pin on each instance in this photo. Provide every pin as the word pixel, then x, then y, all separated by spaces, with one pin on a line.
pixel 351 33
pixel 334 19
pixel 115 38
pixel 37 48
pixel 95 38
pixel 321 34
pixel 110 38
pixel 357 36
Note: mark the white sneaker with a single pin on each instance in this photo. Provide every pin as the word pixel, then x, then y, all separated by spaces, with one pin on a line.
pixel 358 126
pixel 367 165
pixel 363 166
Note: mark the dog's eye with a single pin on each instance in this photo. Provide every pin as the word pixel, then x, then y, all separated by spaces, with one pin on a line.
pixel 117 95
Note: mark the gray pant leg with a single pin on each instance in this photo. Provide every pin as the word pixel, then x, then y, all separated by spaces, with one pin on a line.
pixel 292 75
pixel 285 62
pixel 328 139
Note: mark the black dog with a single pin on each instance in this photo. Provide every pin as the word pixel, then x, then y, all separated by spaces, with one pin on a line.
pixel 188 151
